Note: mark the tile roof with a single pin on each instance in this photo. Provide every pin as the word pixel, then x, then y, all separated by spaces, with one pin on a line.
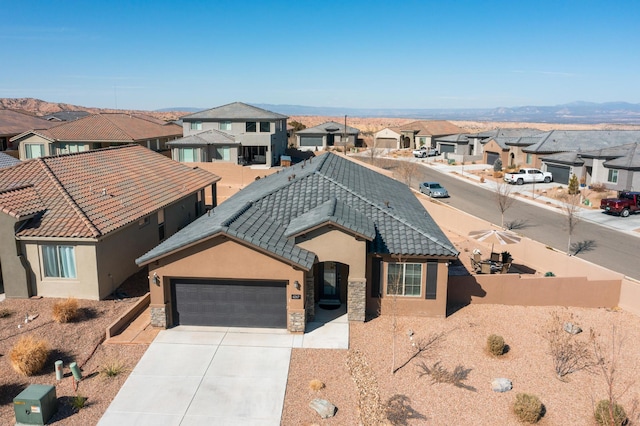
pixel 66 115
pixel 629 161
pixel 458 138
pixel 208 137
pixel 15 122
pixel 328 127
pixel 432 128
pixel 301 196
pixel 7 161
pixel 234 111
pixel 92 193
pixel 583 140
pixel 115 127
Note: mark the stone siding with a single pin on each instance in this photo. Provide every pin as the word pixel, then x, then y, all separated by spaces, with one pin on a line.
pixel 296 321
pixel 356 300
pixel 159 316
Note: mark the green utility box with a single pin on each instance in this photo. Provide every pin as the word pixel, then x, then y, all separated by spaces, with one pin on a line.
pixel 35 405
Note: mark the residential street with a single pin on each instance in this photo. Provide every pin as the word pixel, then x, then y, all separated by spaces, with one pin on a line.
pixel 613 249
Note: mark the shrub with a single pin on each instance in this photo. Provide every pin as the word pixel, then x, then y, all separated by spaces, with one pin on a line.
pixel 598 187
pixel 5 312
pixel 495 345
pixel 573 185
pixel 549 274
pixel 606 416
pixel 65 310
pixel 528 408
pixel 316 385
pixel 112 368
pixel 29 355
pixel 78 402
pixel 497 165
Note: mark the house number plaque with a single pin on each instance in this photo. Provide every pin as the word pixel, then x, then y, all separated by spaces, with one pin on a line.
pixel 295 296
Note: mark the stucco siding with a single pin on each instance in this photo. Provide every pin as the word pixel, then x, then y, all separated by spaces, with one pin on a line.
pixel 37 140
pixel 14 276
pixel 337 246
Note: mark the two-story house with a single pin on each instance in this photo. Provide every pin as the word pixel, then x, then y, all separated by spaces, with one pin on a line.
pixel 237 133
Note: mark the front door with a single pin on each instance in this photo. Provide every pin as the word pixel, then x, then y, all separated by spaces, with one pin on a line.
pixel 330 284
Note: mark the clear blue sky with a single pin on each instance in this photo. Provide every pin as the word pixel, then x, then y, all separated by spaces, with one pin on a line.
pixel 360 54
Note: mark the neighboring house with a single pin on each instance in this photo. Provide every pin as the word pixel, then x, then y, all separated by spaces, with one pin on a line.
pixel 617 167
pixel 325 136
pixel 249 135
pixel 65 115
pixel 14 122
pixel 389 137
pixel 494 144
pixel 455 144
pixel 7 161
pixel 326 231
pixel 72 225
pixel 94 132
pixel 421 133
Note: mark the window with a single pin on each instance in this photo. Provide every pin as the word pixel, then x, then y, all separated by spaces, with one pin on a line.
pixel 33 150
pixel 59 261
pixel 404 279
pixel 68 148
pixel 187 155
pixel 251 127
pixel 529 158
pixel 196 125
pixel 265 127
pixel 613 176
pixel 223 153
pixel 225 125
pixel 143 222
pixel 161 224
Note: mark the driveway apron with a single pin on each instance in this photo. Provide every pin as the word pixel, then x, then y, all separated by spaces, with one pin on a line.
pixel 216 375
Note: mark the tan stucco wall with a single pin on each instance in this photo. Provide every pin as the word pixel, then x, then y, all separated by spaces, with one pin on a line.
pixel 84 286
pixel 630 295
pixel 492 146
pixel 333 245
pixel 221 257
pixel 34 139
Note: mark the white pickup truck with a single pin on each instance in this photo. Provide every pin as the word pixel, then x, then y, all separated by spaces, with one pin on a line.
pixel 528 176
pixel 425 152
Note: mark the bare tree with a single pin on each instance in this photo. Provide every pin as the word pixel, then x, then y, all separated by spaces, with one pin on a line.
pixel 571 209
pixel 504 198
pixel 374 152
pixel 406 170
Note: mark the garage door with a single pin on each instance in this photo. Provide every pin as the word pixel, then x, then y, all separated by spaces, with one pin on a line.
pixel 445 147
pixel 310 140
pixel 492 157
pixel 560 173
pixel 386 143
pixel 229 303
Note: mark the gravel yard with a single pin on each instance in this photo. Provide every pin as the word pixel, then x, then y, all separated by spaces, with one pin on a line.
pixel 419 401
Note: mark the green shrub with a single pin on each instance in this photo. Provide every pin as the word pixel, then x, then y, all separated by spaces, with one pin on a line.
pixel 528 408
pixel 497 165
pixel 604 413
pixel 495 345
pixel 78 402
pixel 112 368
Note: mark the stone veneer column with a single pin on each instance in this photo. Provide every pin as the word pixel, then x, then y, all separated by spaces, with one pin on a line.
pixel 159 316
pixel 310 297
pixel 356 299
pixel 296 321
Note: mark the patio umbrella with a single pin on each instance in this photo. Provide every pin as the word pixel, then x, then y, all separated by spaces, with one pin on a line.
pixel 495 236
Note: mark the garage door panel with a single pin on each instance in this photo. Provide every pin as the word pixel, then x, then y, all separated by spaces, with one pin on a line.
pixel 560 173
pixel 492 157
pixel 230 303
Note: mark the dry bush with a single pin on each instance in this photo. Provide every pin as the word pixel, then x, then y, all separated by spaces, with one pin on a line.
pixel 5 312
pixel 29 355
pixel 316 385
pixel 65 310
pixel 598 187
pixel 495 345
pixel 528 408
pixel 607 414
pixel 569 353
pixel 112 368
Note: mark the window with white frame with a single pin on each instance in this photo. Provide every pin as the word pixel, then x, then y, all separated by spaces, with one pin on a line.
pixel 196 125
pixel 71 147
pixel 529 158
pixel 225 125
pixel 613 176
pixel 187 155
pixel 34 150
pixel 404 279
pixel 59 261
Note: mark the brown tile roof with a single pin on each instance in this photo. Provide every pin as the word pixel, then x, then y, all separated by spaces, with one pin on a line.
pixel 92 193
pixel 432 128
pixel 15 122
pixel 115 127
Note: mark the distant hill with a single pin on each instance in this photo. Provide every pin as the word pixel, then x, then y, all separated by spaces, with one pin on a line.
pixel 621 113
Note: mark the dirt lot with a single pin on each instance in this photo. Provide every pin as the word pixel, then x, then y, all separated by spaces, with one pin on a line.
pixel 78 341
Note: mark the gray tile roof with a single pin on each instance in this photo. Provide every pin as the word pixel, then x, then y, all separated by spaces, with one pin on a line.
pixel 7 161
pixel 460 138
pixel 301 195
pixel 234 111
pixel 583 140
pixel 509 133
pixel 629 161
pixel 570 157
pixel 328 127
pixel 208 137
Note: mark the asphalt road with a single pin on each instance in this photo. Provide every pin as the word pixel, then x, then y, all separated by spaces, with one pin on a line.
pixel 612 249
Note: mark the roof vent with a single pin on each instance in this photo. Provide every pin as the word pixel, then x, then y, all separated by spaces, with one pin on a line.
pixel 104 191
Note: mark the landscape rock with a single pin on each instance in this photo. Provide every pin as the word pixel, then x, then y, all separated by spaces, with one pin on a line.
pixel 572 328
pixel 323 407
pixel 501 385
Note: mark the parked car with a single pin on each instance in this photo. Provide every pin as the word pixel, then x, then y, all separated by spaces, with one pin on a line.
pixel 528 176
pixel 423 152
pixel 626 203
pixel 433 189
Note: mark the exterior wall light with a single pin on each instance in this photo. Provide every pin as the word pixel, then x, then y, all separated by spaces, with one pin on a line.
pixel 297 284
pixel 156 279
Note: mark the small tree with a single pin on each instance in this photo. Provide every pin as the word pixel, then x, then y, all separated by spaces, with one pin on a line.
pixel 504 198
pixel 497 165
pixel 574 187
pixel 571 209
pixel 406 170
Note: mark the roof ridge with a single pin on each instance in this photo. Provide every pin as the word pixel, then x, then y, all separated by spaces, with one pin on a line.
pixel 67 198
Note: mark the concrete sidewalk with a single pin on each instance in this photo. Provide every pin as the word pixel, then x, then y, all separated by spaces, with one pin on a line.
pixel 218 375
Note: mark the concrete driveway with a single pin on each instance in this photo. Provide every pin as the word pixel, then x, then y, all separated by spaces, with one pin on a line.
pixel 217 375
